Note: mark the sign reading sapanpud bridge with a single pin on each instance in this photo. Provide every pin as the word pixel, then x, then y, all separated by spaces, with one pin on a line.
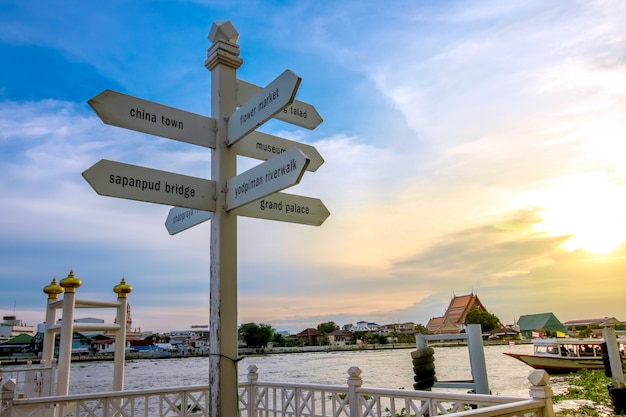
pixel 238 108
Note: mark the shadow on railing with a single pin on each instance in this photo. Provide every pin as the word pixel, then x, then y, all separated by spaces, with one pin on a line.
pixel 262 399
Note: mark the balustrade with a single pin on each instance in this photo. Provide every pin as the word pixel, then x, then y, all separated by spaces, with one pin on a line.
pixel 272 399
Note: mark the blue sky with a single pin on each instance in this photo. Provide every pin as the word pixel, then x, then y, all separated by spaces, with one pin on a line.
pixel 469 146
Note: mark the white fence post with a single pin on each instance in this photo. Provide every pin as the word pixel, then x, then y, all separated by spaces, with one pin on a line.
pixel 253 377
pixel 70 283
pixel 7 393
pixel 540 390
pixel 354 382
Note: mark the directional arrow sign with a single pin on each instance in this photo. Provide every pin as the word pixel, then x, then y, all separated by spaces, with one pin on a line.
pixel 133 113
pixel 286 208
pixel 263 146
pixel 133 182
pixel 280 172
pixel 263 106
pixel 297 113
pixel 180 218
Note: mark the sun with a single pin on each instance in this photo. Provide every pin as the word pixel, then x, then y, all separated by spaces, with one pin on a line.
pixel 588 207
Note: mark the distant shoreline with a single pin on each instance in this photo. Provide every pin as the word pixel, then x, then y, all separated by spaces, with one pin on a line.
pixel 26 360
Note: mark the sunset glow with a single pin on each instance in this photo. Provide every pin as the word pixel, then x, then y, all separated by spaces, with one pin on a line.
pixel 472 146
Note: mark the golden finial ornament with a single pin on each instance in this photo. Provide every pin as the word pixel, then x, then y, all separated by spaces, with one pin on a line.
pixel 53 289
pixel 122 289
pixel 70 282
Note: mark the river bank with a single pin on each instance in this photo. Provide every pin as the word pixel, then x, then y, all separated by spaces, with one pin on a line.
pixel 21 359
pixel 388 367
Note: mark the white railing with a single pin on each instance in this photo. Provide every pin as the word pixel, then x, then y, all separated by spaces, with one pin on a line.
pixel 271 399
pixel 30 382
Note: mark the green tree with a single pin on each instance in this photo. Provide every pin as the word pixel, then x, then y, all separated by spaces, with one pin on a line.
pixel 421 329
pixel 280 340
pixel 487 321
pixel 256 335
pixel 328 327
pixel 357 335
pixel 324 329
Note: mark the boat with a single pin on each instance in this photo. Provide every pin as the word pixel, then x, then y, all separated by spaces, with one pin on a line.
pixel 565 355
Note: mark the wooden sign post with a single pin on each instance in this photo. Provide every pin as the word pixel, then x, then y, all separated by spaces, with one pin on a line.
pixel 237 109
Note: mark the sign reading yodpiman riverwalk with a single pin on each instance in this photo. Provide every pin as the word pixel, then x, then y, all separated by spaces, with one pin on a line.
pixel 237 109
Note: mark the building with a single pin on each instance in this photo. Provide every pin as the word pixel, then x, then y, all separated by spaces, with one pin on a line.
pixel 21 343
pixel 88 320
pixel 453 321
pixel 580 324
pixel 533 325
pixel 397 332
pixel 104 346
pixel 361 326
pixel 11 327
pixel 308 337
pixel 339 337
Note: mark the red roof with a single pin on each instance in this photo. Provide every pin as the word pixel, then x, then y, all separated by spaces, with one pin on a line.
pixel 309 332
pixel 103 342
pixel 456 313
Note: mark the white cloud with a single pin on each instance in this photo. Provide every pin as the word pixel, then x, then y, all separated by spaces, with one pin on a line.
pixel 455 132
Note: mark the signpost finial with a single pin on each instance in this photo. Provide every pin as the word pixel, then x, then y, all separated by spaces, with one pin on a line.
pixel 223 30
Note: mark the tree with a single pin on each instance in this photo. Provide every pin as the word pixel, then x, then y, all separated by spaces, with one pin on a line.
pixel 487 321
pixel 256 335
pixel 324 329
pixel 328 327
pixel 586 332
pixel 421 329
pixel 356 336
pixel 280 340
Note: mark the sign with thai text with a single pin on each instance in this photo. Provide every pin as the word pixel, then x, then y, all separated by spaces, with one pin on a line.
pixel 181 218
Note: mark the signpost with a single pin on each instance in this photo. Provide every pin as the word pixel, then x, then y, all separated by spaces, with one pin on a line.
pixel 285 207
pixel 263 106
pixel 281 207
pixel 133 113
pixel 182 218
pixel 297 113
pixel 133 182
pixel 226 196
pixel 263 146
pixel 278 173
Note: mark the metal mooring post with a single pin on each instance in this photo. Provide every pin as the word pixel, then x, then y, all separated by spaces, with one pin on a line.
pixel 477 358
pixel 617 388
pixel 473 336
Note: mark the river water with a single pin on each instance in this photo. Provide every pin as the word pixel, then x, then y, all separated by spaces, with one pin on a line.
pixel 388 368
